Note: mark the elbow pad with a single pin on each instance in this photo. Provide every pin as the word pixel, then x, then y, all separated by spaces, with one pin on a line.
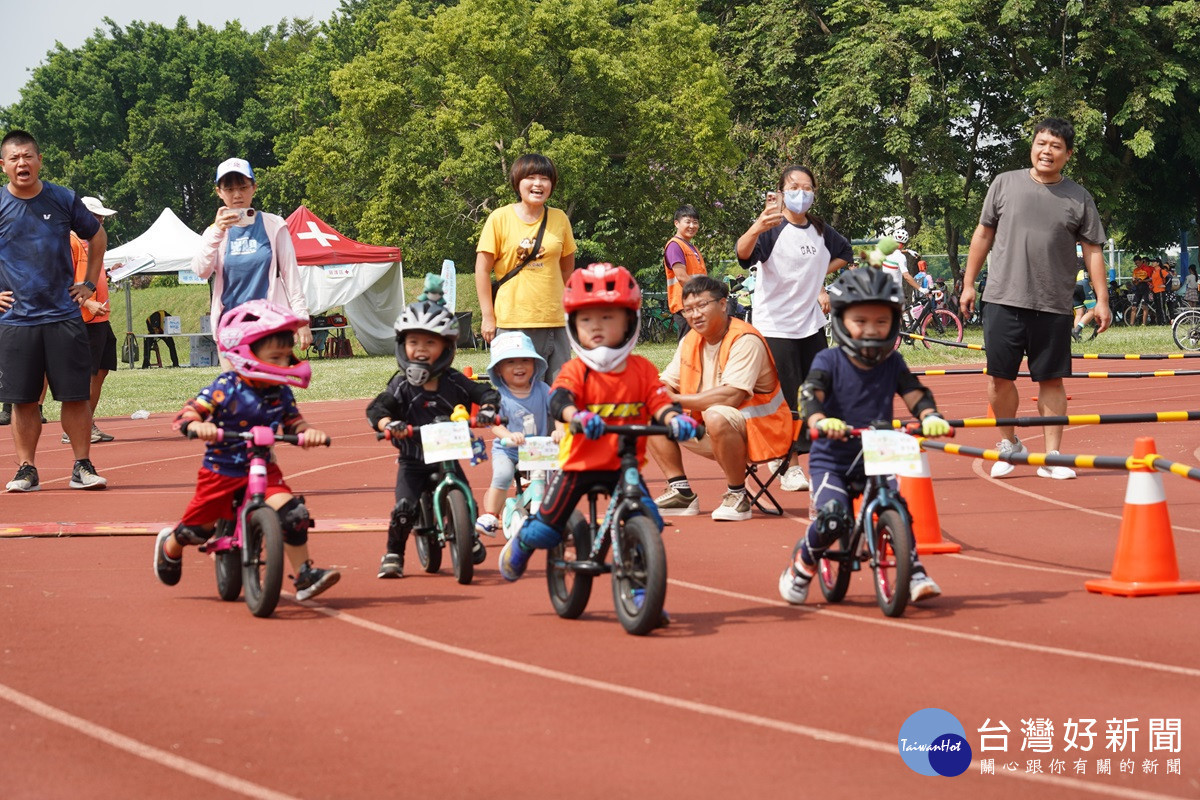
pixel 809 402
pixel 560 398
pixel 926 402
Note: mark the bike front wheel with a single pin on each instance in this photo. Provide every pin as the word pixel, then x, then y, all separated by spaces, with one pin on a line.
pixel 460 533
pixel 569 590
pixel 639 584
pixel 262 561
pixel 942 324
pixel 1185 330
pixel 893 562
pixel 228 565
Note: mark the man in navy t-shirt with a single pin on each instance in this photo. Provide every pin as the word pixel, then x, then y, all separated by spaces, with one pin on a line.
pixel 42 334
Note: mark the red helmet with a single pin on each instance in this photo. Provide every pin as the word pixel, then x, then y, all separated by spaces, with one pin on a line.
pixel 601 285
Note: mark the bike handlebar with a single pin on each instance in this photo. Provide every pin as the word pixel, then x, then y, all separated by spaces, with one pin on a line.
pixel 223 434
pixel 912 428
pixel 409 429
pixel 634 431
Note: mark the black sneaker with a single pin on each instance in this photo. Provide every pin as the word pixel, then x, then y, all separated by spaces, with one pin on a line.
pixel 6 414
pixel 478 552
pixel 390 566
pixel 84 476
pixel 312 581
pixel 166 568
pixel 26 480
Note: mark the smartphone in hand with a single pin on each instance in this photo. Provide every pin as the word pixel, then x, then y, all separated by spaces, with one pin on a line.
pixel 245 217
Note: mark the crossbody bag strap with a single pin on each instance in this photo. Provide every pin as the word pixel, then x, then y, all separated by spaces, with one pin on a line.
pixel 537 245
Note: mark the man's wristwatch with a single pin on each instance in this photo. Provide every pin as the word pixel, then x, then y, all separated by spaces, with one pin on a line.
pixel 91 286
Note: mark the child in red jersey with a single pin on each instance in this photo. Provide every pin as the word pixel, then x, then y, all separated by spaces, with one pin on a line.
pixel 603 384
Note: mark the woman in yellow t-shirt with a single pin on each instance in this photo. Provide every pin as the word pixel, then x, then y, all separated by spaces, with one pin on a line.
pixel 531 301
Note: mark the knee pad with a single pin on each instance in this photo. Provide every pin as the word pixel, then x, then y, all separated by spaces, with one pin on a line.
pixel 536 533
pixel 191 534
pixel 833 520
pixel 404 516
pixel 295 521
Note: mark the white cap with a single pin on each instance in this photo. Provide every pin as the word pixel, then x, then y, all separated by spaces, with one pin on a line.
pixel 94 205
pixel 239 165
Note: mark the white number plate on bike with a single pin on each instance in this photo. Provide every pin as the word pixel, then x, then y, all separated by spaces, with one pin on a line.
pixel 538 452
pixel 890 453
pixel 445 441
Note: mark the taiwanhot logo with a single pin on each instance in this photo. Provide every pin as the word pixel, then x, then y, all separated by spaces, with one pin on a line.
pixel 933 742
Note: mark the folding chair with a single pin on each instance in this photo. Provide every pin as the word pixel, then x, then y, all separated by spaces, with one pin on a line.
pixel 760 496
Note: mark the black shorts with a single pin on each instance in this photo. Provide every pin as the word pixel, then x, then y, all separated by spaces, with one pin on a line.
pixel 1010 334
pixel 57 351
pixel 103 346
pixel 1141 291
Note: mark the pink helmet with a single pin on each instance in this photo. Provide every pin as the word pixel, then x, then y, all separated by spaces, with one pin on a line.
pixel 248 323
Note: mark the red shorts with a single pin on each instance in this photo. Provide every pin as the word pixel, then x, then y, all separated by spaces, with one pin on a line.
pixel 214 495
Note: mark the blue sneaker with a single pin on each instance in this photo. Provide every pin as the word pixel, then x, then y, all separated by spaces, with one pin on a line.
pixel 639 596
pixel 513 560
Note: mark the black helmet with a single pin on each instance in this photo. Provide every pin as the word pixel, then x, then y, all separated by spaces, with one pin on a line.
pixel 864 285
pixel 425 315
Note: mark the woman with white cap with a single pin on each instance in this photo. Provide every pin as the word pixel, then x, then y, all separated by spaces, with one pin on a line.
pixel 248 253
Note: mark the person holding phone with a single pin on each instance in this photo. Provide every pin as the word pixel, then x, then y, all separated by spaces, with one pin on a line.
pixel 249 253
pixel 796 250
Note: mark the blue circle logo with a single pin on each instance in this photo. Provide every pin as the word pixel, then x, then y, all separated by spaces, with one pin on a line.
pixel 933 742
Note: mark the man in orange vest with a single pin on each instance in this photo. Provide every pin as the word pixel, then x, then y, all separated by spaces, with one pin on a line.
pixel 723 373
pixel 682 261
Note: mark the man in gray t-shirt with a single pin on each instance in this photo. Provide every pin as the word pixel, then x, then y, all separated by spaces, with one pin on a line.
pixel 1030 223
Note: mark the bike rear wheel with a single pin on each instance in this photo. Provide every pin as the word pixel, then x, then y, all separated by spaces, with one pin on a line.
pixel 460 533
pixel 639 585
pixel 893 562
pixel 569 590
pixel 834 574
pixel 429 552
pixel 228 566
pixel 262 565
pixel 942 324
pixel 1185 330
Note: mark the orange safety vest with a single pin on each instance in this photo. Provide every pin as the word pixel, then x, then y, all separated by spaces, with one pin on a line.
pixel 693 264
pixel 768 418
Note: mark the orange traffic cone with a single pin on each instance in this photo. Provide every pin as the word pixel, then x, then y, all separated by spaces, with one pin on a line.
pixel 1145 563
pixel 927 528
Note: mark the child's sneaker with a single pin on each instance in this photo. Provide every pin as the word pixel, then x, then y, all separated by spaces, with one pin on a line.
pixel 921 587
pixel 166 568
pixel 1007 448
pixel 26 480
pixel 478 552
pixel 793 480
pixel 487 525
pixel 793 586
pixel 391 566
pixel 513 560
pixel 84 476
pixel 735 507
pixel 674 503
pixel 6 414
pixel 312 581
pixel 1057 473
pixel 639 597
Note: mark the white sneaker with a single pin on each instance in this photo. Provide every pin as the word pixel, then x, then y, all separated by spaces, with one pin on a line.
pixel 793 480
pixel 793 586
pixel 487 524
pixel 921 587
pixel 1056 473
pixel 774 464
pixel 1007 448
pixel 735 507
pixel 673 503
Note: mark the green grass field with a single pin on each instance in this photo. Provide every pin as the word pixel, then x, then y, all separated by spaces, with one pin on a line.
pixel 361 377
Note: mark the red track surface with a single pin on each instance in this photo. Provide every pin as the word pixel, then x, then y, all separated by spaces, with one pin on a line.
pixel 112 685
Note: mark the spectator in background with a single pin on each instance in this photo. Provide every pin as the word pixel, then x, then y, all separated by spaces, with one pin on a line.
pixel 796 250
pixel 1160 278
pixel 899 265
pixel 530 248
pixel 1191 288
pixel 1030 223
pixel 923 278
pixel 1141 288
pixel 42 334
pixel 249 254
pixel 682 260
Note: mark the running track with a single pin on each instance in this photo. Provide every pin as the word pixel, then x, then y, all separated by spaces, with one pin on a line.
pixel 112 685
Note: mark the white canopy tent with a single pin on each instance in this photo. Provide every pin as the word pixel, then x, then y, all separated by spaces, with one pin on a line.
pixel 168 241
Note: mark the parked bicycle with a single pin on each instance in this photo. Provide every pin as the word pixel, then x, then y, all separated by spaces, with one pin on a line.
pixel 1185 329
pixel 639 568
pixel 929 317
pixel 248 549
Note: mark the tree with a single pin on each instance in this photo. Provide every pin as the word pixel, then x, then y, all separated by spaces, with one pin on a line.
pixel 626 98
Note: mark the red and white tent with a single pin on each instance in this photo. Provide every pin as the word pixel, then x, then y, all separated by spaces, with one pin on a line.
pixel 367 280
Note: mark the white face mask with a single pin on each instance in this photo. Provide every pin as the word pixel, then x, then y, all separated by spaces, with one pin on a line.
pixel 798 201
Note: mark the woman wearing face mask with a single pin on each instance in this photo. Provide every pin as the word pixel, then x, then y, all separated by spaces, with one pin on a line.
pixel 796 250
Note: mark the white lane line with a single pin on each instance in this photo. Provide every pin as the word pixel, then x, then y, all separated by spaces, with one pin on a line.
pixel 704 709
pixel 967 637
pixel 1015 565
pixel 111 738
